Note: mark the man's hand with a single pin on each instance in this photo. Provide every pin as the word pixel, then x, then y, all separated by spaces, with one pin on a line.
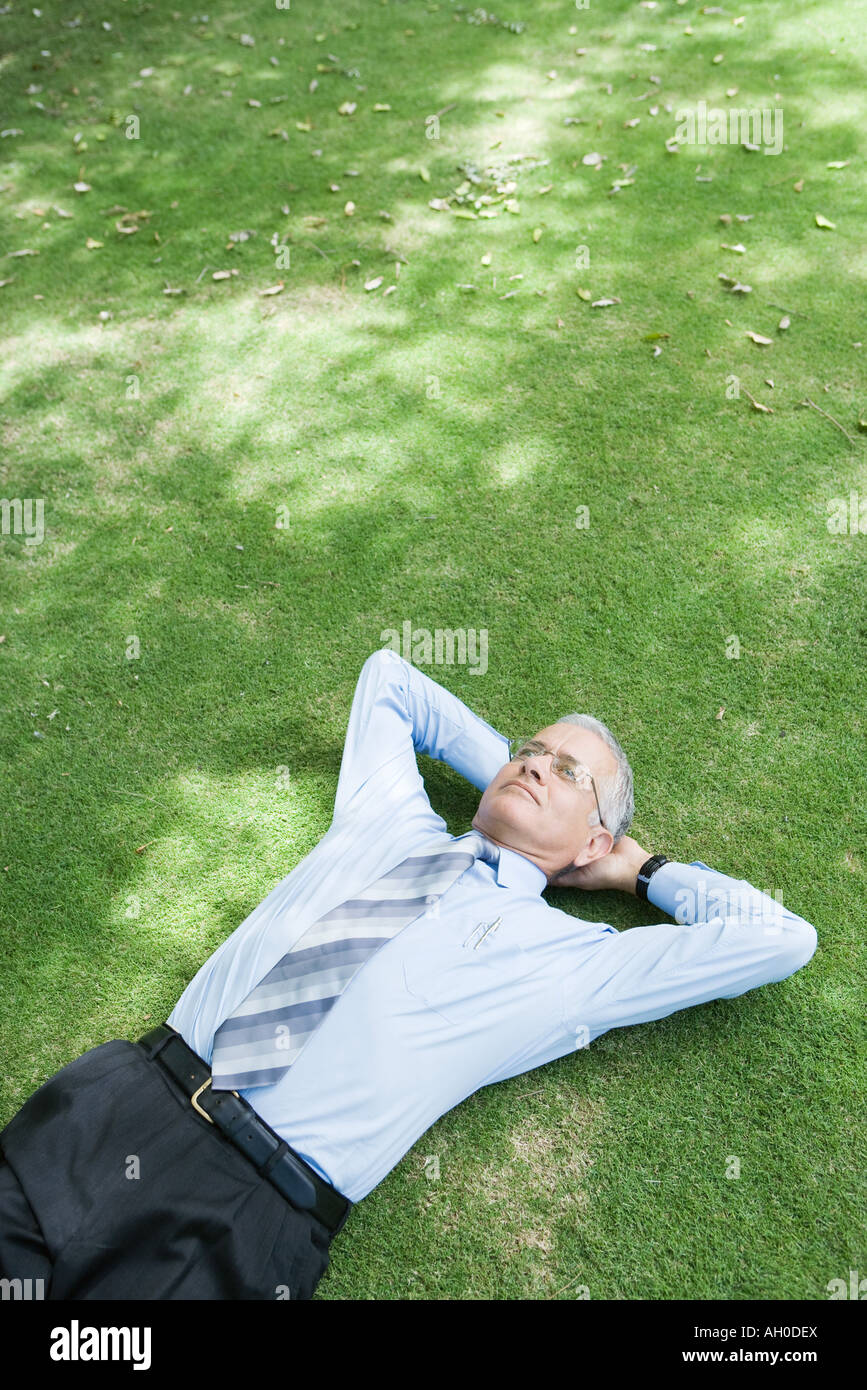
pixel 617 869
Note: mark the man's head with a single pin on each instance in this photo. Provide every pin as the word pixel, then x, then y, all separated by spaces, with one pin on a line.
pixel 530 808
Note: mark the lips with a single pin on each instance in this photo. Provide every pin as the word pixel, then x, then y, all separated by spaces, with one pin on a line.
pixel 524 788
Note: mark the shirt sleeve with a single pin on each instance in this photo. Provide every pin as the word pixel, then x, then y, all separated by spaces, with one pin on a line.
pixel 729 938
pixel 398 711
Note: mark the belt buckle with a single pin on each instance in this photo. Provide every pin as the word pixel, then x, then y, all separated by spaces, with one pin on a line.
pixel 196 1094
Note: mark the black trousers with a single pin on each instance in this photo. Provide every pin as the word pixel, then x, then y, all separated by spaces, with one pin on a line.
pixel 111 1186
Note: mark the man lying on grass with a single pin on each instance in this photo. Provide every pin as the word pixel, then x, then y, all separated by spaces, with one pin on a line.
pixel 391 974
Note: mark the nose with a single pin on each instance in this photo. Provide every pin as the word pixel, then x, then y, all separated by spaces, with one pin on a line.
pixel 537 767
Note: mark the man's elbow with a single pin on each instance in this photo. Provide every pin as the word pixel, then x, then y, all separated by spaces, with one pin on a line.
pixel 382 664
pixel 798 946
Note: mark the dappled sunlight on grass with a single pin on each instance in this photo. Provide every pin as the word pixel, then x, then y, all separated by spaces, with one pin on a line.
pixel 216 825
pixel 513 463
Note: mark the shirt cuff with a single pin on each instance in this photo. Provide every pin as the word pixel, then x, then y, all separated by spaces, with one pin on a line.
pixel 675 884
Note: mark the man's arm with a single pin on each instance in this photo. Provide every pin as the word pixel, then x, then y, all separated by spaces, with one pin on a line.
pixel 398 711
pixel 728 938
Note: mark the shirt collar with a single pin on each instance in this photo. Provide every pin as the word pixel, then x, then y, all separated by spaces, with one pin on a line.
pixel 515 870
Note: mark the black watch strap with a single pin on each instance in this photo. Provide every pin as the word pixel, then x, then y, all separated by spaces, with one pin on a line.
pixel 646 872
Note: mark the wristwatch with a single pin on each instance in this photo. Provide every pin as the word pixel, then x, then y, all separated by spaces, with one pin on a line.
pixel 646 872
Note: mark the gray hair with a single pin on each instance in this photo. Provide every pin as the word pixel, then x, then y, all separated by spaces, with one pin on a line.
pixel 616 799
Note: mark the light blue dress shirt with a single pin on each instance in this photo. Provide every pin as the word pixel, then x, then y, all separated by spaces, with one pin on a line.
pixel 434 1014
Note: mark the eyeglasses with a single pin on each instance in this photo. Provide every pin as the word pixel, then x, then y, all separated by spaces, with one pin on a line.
pixel 575 773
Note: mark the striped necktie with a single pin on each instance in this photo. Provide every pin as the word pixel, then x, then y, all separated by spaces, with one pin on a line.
pixel 257 1044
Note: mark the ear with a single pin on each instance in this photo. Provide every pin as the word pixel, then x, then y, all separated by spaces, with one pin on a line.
pixel 600 843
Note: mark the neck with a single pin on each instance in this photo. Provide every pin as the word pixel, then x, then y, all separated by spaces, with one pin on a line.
pixel 548 869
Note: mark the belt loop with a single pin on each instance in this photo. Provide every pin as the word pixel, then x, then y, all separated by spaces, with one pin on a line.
pixel 281 1149
pixel 163 1041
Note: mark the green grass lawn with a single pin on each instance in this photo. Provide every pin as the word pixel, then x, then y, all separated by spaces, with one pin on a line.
pixel 242 491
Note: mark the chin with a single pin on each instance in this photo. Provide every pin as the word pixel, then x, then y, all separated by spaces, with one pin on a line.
pixel 504 815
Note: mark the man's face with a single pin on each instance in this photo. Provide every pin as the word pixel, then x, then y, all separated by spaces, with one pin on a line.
pixel 532 810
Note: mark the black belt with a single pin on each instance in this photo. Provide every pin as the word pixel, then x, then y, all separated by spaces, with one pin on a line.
pixel 231 1114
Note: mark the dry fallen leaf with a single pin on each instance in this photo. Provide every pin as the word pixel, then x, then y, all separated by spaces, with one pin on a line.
pixel 784 321
pixel 734 286
pixel 81 187
pixel 799 186
pixel 375 283
pixel 720 712
pixel 759 338
pixel 223 274
pixel 738 247
pixel 272 289
pixel 92 244
pixel 823 222
pixel 603 303
pixel 583 294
